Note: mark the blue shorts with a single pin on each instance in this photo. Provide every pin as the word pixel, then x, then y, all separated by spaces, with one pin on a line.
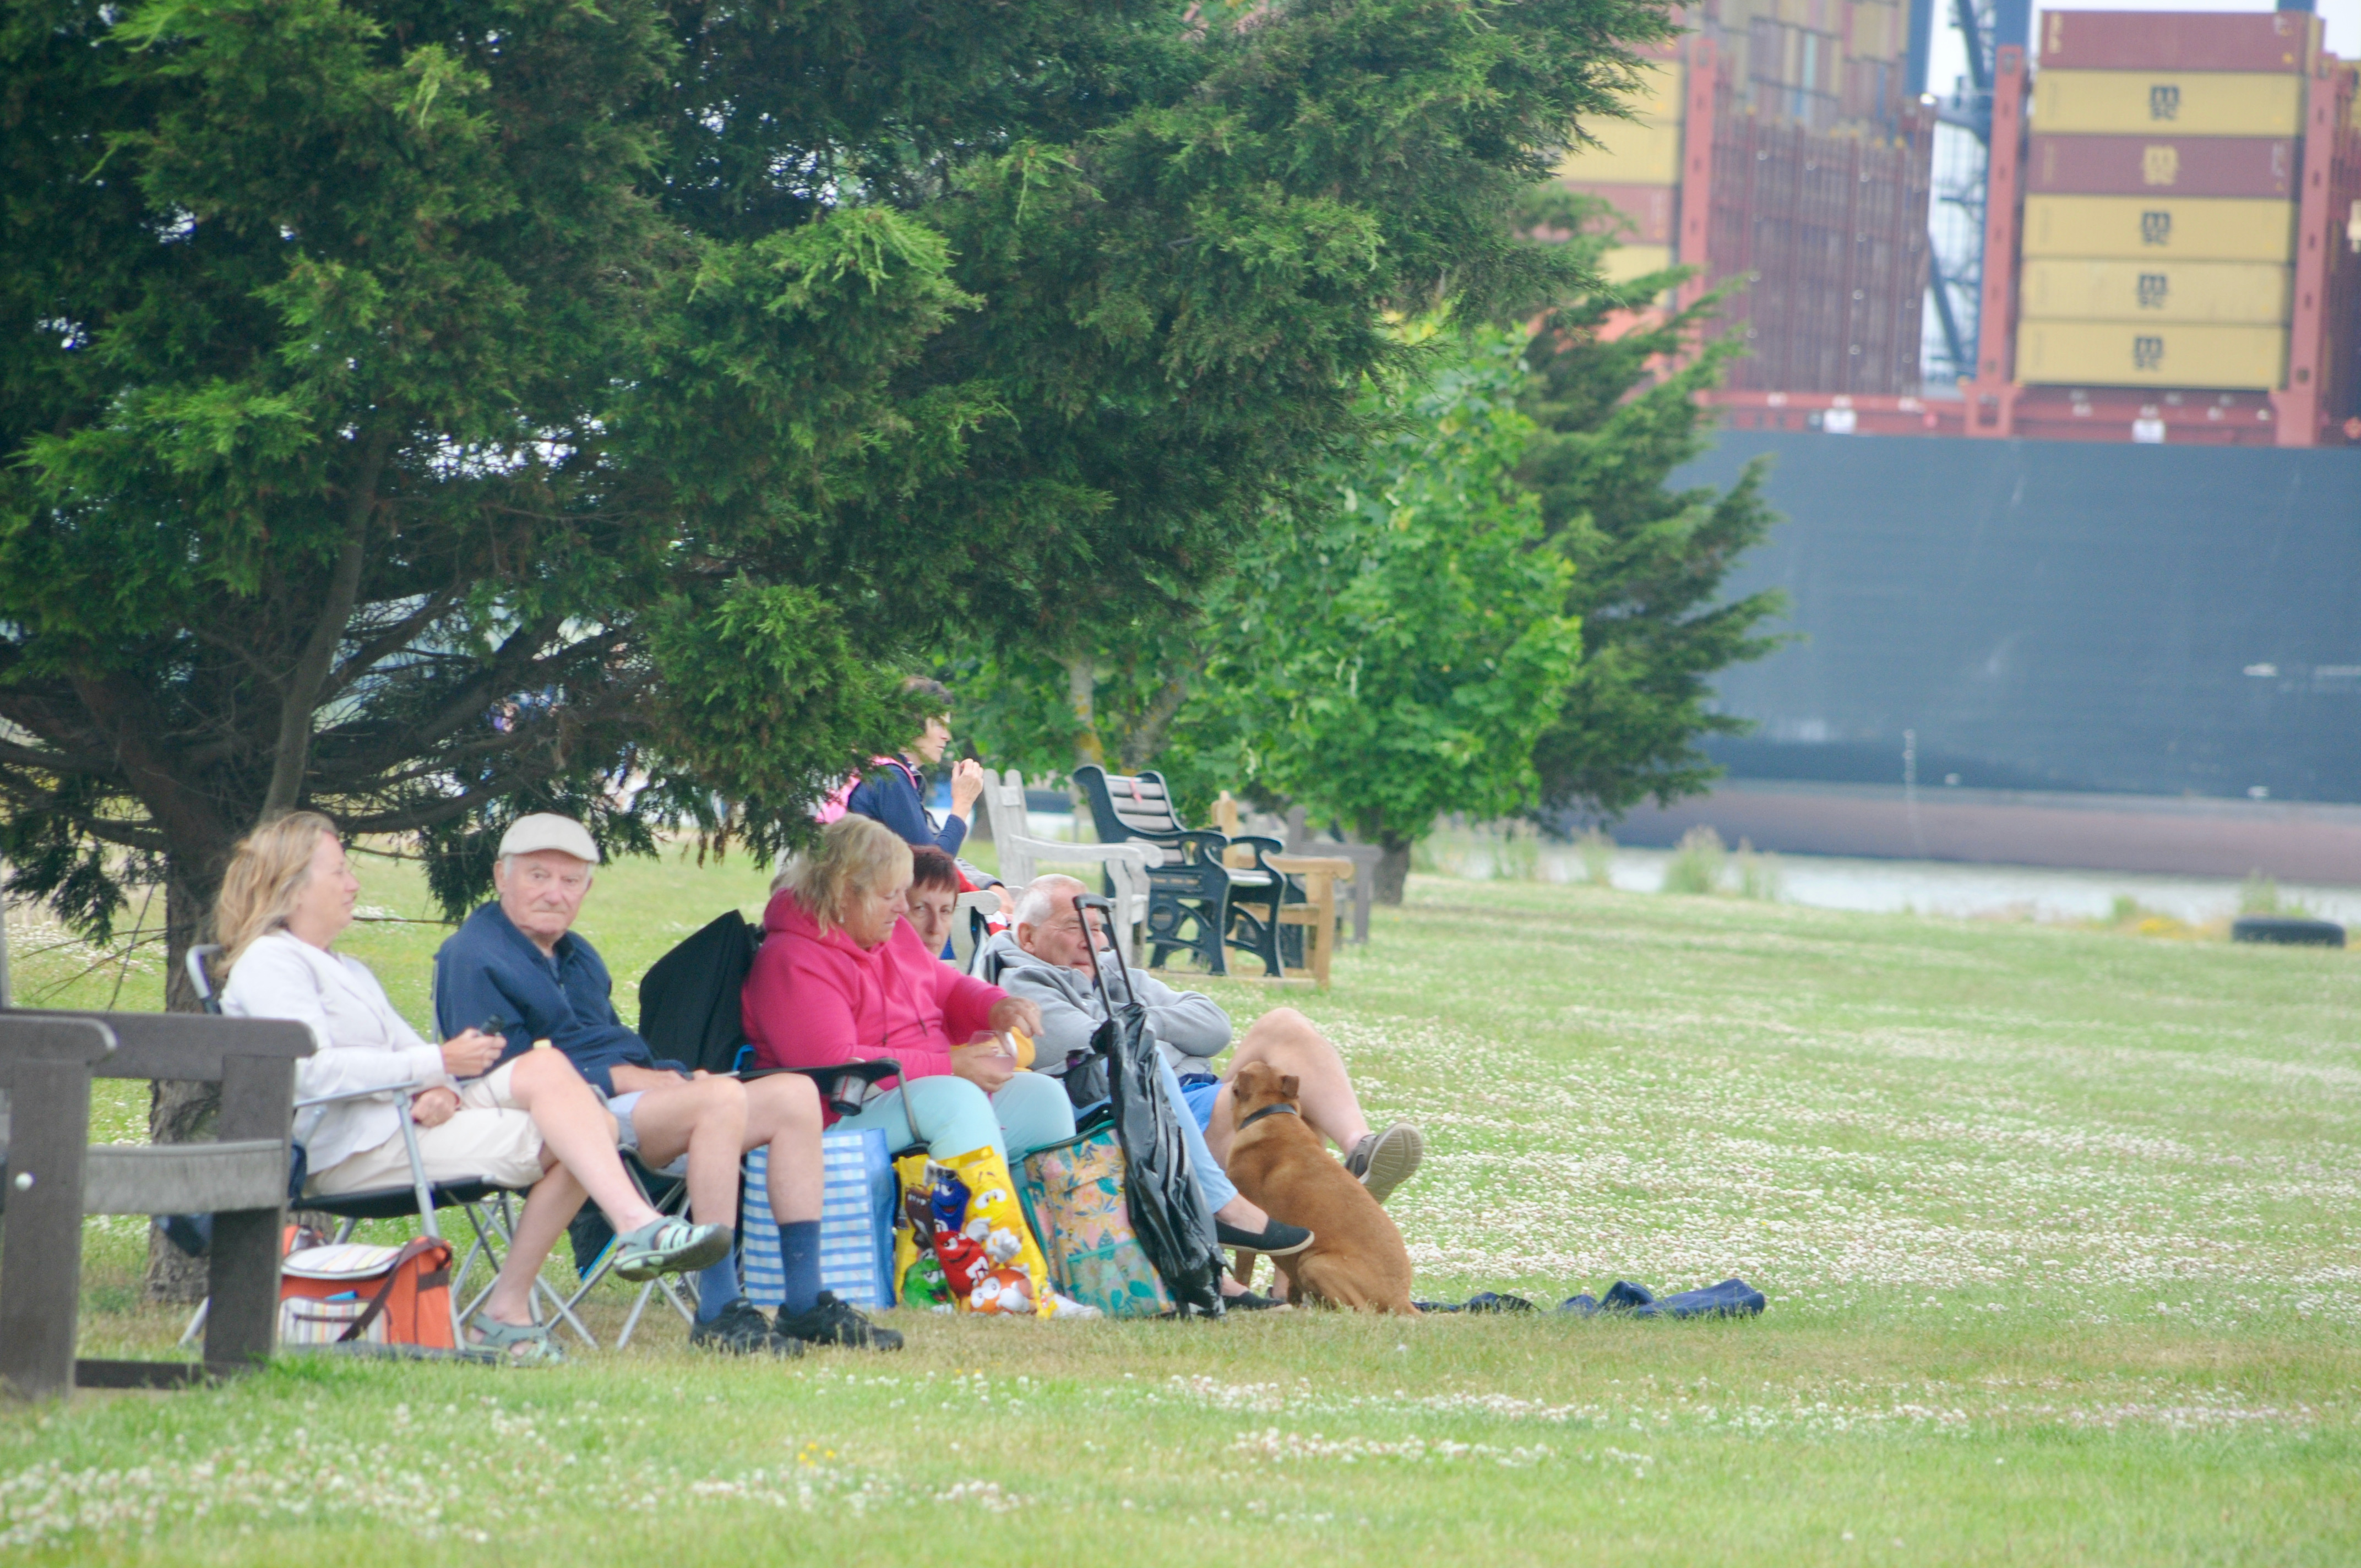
pixel 1197 1093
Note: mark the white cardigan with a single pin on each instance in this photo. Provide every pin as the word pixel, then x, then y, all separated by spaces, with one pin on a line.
pixel 363 1043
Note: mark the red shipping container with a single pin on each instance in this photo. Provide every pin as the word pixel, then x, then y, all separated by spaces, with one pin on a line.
pixel 1650 207
pixel 2179 40
pixel 2154 166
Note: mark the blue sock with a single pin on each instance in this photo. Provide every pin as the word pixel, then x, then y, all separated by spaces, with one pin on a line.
pixel 800 1257
pixel 717 1287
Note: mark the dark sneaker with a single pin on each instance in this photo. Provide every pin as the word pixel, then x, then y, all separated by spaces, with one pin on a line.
pixel 1247 1301
pixel 1383 1161
pixel 832 1322
pixel 1275 1239
pixel 741 1329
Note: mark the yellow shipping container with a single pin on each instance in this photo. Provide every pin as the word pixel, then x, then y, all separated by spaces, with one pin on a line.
pixel 1626 262
pixel 1646 151
pixel 2158 353
pixel 2227 292
pixel 2186 102
pixel 2137 228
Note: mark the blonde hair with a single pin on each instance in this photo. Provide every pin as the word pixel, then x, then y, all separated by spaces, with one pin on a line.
pixel 856 854
pixel 266 871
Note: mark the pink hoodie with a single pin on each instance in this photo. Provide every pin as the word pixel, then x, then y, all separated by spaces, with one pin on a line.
pixel 815 1001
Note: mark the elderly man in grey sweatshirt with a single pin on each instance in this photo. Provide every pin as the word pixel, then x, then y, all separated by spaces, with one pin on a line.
pixel 1048 959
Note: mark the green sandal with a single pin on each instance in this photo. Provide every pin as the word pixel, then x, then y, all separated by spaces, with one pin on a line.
pixel 519 1344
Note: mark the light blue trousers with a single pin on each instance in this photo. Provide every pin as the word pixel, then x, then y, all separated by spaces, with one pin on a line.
pixel 1212 1180
pixel 953 1116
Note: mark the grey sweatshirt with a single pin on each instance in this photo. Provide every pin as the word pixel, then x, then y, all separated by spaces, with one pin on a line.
pixel 1189 1027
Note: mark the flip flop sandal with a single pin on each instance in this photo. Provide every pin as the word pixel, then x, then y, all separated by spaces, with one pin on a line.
pixel 518 1344
pixel 669 1246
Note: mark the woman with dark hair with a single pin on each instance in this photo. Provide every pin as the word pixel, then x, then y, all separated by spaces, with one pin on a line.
pixel 894 794
pixel 934 896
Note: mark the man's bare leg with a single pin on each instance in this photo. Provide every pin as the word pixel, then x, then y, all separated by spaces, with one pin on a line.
pixel 705 1119
pixel 783 1112
pixel 1287 1042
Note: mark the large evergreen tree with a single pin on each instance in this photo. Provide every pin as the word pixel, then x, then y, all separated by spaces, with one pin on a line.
pixel 425 412
pixel 1614 391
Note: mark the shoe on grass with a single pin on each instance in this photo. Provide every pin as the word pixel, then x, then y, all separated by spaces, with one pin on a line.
pixel 832 1322
pixel 1383 1161
pixel 741 1329
pixel 669 1246
pixel 1275 1239
pixel 1248 1302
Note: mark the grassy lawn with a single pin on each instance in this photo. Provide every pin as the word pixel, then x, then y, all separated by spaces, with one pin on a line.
pixel 2058 1226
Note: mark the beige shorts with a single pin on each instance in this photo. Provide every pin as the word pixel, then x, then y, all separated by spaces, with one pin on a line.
pixel 488 1138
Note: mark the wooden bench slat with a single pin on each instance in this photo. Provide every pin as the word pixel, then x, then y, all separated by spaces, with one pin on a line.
pixel 184 1179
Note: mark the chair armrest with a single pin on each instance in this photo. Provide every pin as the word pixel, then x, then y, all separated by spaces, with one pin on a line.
pixel 1050 850
pixel 1263 847
pixel 310 1101
pixel 1208 844
pixel 829 1080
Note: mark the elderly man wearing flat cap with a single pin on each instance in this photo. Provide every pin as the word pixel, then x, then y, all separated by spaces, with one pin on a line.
pixel 516 967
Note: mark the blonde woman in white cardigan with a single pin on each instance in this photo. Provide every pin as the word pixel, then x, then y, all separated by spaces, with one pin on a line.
pixel 532 1121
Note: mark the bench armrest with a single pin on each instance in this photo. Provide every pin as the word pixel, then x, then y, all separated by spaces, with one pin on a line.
pixel 1052 850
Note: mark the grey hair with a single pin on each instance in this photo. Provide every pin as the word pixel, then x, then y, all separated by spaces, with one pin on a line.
pixel 1039 900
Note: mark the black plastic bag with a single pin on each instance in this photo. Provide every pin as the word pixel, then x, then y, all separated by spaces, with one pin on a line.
pixel 1168 1212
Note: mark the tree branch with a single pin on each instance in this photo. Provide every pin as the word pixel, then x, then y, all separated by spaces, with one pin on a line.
pixel 390 642
pixel 300 698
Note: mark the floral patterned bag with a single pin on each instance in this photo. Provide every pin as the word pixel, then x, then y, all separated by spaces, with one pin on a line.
pixel 1073 1193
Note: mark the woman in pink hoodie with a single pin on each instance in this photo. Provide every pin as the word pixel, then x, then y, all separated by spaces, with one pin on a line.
pixel 841 977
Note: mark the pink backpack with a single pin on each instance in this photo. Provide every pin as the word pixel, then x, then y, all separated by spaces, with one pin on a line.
pixel 839 800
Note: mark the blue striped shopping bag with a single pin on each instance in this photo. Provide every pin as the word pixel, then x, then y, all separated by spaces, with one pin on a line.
pixel 856 1224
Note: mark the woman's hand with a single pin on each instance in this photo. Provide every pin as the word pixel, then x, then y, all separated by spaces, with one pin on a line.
pixel 471 1053
pixel 435 1107
pixel 1017 1014
pixel 986 1064
pixel 967 786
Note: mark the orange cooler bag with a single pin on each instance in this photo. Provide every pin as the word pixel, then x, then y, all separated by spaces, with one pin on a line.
pixel 351 1293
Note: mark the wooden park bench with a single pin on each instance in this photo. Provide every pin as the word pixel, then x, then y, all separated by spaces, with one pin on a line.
pixel 53 1177
pixel 1198 902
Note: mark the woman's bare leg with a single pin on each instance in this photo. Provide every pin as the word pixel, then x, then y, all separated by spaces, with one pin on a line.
pixel 1287 1040
pixel 552 1204
pixel 580 1132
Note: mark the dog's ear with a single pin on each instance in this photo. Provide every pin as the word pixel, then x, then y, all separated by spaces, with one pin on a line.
pixel 1289 1086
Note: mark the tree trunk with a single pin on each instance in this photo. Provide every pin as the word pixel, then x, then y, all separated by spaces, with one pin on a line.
pixel 183 1112
pixel 1393 867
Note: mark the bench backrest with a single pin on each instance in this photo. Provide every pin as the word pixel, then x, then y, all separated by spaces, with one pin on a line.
pixel 188 1047
pixel 1129 805
pixel 1003 805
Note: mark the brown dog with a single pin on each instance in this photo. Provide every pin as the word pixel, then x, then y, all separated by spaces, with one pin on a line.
pixel 1356 1257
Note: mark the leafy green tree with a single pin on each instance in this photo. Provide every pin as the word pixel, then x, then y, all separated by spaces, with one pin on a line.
pixel 1649 562
pixel 1393 654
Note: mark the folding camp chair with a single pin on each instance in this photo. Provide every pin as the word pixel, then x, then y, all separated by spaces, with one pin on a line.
pixel 486 1205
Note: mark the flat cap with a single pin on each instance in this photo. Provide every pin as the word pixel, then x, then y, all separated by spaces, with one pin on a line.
pixel 548 830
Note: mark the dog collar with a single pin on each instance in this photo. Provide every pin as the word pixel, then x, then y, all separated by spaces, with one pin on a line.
pixel 1279 1107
